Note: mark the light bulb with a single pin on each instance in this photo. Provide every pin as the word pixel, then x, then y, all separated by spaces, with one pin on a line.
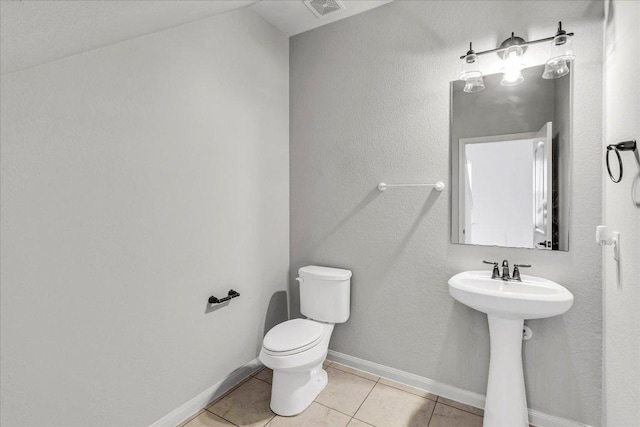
pixel 512 67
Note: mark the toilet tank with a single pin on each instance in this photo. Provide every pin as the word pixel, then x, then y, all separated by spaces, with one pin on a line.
pixel 325 293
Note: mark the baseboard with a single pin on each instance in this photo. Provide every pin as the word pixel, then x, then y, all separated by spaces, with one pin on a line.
pixel 536 418
pixel 191 407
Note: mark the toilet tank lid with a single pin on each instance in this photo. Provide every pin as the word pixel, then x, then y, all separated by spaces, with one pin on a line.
pixel 324 273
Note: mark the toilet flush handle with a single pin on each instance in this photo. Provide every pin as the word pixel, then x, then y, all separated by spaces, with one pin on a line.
pixel 300 279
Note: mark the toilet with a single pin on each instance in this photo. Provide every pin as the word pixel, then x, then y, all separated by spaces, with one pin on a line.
pixel 295 349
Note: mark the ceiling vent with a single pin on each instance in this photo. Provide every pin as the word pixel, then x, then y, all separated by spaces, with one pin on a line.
pixel 322 8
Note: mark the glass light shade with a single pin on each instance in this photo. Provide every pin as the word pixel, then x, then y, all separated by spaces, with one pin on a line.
pixel 560 52
pixel 475 84
pixel 470 67
pixel 561 49
pixel 554 70
pixel 512 67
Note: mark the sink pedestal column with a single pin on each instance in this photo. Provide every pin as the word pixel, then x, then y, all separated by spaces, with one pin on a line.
pixel 506 404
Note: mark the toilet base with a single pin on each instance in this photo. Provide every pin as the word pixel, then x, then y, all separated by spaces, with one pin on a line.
pixel 293 391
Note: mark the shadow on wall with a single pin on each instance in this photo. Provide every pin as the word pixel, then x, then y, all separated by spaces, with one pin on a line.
pixel 215 307
pixel 294 286
pixel 559 363
pixel 385 266
pixel 356 209
pixel 277 312
pixel 466 328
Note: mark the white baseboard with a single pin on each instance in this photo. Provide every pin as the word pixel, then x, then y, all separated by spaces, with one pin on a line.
pixel 191 407
pixel 536 418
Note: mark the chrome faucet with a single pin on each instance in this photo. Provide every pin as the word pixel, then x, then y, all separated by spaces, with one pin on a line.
pixel 505 270
pixel 495 274
pixel 516 271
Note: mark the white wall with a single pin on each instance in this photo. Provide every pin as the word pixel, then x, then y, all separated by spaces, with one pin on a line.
pixel 370 103
pixel 137 180
pixel 502 197
pixel 622 213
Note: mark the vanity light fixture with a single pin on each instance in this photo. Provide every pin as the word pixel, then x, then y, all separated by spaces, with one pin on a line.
pixel 471 72
pixel 512 51
pixel 560 52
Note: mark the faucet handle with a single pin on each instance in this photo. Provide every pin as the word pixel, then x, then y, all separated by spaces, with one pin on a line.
pixel 516 271
pixel 495 274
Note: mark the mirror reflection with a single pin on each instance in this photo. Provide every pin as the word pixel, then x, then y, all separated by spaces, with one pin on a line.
pixel 510 149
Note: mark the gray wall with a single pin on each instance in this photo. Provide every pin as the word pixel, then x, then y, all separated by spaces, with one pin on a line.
pixel 137 180
pixel 370 103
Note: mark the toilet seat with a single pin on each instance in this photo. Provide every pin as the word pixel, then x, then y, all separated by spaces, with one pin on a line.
pixel 292 337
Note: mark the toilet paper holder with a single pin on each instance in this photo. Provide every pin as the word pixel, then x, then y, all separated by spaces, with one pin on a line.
pixel 230 295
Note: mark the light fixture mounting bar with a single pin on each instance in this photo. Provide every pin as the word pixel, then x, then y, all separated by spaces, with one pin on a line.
pixel 500 49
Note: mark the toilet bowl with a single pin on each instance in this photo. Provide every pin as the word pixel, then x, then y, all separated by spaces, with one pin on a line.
pixel 296 349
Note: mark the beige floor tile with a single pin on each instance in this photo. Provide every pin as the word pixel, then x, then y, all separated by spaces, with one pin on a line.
pixel 447 416
pixel 345 392
pixel 247 405
pixel 388 406
pixel 357 372
pixel 409 389
pixel 458 405
pixel 315 415
pixel 265 375
pixel 357 423
pixel 185 422
pixel 230 390
pixel 207 419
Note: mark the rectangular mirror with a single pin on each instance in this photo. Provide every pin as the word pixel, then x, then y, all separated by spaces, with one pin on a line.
pixel 510 155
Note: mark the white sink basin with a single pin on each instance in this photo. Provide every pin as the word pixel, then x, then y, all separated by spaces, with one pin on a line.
pixel 507 304
pixel 533 298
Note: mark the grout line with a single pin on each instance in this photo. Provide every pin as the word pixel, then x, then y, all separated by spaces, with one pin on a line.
pixel 333 409
pixel 432 411
pixel 355 375
pixel 264 381
pixel 220 416
pixel 354 371
pixel 455 407
pixel 407 385
pixel 270 421
pixel 365 399
pixel 231 390
pixel 364 422
pixel 186 422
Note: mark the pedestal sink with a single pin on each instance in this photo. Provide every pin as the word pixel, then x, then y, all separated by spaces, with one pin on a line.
pixel 508 304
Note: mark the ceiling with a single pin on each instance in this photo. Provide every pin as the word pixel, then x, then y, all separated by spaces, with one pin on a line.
pixel 293 17
pixel 34 32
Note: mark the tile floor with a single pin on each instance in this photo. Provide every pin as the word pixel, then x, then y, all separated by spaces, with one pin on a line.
pixel 352 398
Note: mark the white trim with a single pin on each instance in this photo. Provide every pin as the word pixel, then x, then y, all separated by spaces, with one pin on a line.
pixel 191 407
pixel 536 418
